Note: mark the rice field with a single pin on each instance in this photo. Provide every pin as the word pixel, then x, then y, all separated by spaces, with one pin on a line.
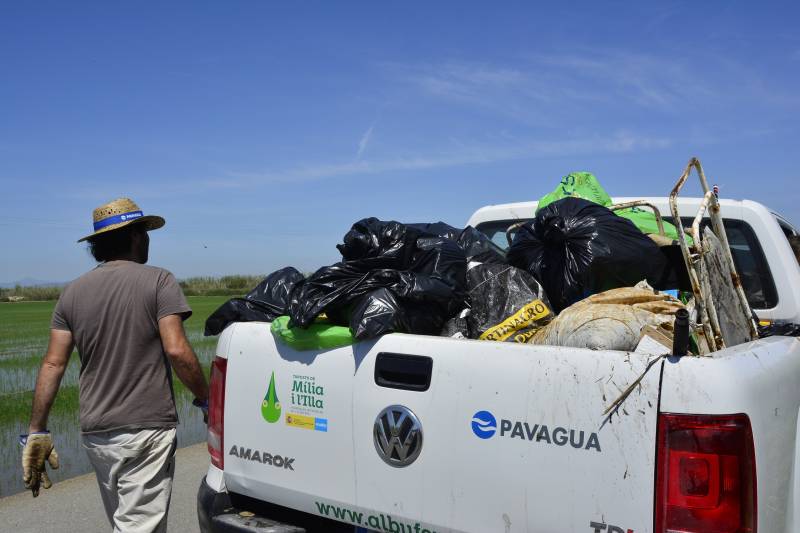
pixel 24 331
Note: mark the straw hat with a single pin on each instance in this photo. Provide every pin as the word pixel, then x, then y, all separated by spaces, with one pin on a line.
pixel 120 213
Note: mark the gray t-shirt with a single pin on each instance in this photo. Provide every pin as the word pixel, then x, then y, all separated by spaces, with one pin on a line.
pixel 113 313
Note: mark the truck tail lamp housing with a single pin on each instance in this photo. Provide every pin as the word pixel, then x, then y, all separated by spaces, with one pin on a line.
pixel 216 412
pixel 705 474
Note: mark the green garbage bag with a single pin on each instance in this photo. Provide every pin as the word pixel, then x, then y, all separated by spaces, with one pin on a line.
pixel 585 185
pixel 577 185
pixel 319 336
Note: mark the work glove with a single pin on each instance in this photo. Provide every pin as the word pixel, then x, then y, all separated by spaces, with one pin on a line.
pixel 36 449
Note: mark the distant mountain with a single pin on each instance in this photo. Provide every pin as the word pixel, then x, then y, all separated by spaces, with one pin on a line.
pixel 28 282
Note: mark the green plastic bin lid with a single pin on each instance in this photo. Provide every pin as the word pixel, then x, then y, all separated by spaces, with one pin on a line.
pixel 319 336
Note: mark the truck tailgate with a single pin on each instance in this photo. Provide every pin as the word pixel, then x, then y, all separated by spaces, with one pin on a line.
pixel 513 436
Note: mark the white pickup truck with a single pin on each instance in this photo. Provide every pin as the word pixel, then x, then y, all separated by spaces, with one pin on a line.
pixel 420 434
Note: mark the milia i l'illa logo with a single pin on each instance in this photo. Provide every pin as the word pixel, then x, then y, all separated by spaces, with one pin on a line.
pixel 484 425
pixel 271 407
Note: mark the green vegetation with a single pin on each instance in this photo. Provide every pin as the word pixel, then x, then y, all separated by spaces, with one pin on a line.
pixel 224 286
pixel 237 285
pixel 17 406
pixel 33 293
pixel 24 328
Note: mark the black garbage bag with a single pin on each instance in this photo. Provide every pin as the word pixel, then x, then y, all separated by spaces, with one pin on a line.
pixel 507 303
pixel 269 300
pixel 576 248
pixel 384 244
pixel 477 245
pixel 381 312
pixel 377 244
pixel 417 269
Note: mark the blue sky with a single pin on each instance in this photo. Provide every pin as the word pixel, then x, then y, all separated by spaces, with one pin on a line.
pixel 261 130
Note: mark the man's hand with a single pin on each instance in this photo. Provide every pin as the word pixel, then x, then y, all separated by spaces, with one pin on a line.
pixel 203 405
pixel 38 448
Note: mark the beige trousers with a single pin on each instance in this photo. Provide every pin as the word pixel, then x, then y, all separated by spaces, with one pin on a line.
pixel 134 471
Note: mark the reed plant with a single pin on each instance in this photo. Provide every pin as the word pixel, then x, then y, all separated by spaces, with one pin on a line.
pixel 233 285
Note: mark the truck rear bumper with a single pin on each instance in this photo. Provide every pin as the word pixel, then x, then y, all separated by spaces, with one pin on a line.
pixel 217 514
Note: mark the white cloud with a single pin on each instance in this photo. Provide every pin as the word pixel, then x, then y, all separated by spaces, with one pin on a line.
pixel 465 154
pixel 362 144
pixel 546 88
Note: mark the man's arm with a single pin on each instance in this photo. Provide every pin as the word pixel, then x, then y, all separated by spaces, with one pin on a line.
pixel 181 355
pixel 50 373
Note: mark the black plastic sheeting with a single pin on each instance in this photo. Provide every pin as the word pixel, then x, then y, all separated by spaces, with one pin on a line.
pixel 268 301
pixel 576 248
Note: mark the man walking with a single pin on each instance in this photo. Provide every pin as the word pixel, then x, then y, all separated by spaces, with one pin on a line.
pixel 126 320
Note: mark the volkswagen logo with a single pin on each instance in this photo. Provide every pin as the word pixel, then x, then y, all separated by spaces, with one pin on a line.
pixel 398 436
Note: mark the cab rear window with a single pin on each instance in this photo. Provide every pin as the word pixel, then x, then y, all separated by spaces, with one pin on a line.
pixel 496 230
pixel 751 264
pixel 748 256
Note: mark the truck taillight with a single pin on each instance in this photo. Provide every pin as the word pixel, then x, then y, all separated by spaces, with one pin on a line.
pixel 706 474
pixel 216 412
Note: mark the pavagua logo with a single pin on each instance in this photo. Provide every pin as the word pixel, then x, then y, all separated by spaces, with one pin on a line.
pixel 484 424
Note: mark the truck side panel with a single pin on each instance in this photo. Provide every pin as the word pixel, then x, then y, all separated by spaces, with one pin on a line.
pixel 543 457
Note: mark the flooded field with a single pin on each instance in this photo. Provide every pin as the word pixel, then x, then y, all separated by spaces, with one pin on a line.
pixel 24 330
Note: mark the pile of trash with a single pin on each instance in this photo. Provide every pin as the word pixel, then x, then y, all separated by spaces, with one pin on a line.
pixel 393 277
pixel 578 275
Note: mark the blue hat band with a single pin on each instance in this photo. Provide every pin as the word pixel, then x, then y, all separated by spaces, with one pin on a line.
pixel 116 219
